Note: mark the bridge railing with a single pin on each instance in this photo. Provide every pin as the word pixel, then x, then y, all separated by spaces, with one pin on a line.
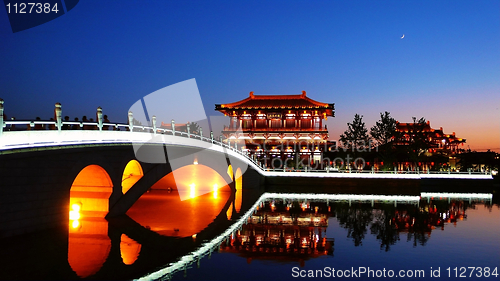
pixel 47 125
pixel 64 125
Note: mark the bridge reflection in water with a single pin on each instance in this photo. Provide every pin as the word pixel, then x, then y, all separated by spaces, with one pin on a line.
pixel 285 228
pixel 288 228
pixel 91 242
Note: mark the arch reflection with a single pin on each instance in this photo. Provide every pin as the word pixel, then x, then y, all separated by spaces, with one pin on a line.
pixel 129 249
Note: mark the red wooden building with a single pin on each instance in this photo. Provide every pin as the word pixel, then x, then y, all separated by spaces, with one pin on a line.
pixel 278 125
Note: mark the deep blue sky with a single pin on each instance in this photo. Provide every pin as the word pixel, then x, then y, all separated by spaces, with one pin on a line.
pixel 112 53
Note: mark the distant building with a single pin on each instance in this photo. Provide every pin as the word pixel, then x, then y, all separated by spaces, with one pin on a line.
pixel 438 141
pixel 432 143
pixel 278 126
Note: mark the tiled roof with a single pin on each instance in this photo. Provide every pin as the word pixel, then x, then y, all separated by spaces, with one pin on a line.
pixel 275 102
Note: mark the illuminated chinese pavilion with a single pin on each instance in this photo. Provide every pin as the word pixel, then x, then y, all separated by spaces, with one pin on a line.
pixel 438 141
pixel 264 122
pixel 434 141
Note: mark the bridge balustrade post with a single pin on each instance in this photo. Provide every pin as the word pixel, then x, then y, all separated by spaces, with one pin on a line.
pixel 220 140
pixel 236 145
pixel 189 130
pixel 173 126
pixel 58 115
pixel 154 124
pixel 130 121
pixel 1 117
pixel 99 118
pixel 212 136
pixel 201 133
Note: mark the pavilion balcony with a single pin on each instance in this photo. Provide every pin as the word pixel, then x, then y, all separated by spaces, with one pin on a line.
pixel 285 130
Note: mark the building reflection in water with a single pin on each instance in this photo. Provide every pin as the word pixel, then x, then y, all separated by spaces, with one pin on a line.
pixel 283 231
pixel 295 229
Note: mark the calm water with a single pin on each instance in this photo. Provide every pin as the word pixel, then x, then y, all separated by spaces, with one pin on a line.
pixel 289 238
pixel 226 236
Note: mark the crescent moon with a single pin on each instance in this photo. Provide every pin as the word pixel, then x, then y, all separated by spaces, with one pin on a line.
pixel 403 36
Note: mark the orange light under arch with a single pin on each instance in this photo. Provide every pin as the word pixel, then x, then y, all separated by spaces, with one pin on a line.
pixel 132 173
pixel 88 243
pixel 230 172
pixel 170 210
pixel 91 190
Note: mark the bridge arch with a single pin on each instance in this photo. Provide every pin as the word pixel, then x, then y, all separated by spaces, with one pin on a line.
pixel 131 174
pixel 230 171
pixel 90 191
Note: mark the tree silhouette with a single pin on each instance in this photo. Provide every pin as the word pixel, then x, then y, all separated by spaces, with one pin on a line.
pixel 356 220
pixel 384 130
pixel 194 128
pixel 383 228
pixel 356 136
pixel 383 133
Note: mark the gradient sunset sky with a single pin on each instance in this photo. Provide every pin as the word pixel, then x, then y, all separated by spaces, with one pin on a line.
pixel 112 53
